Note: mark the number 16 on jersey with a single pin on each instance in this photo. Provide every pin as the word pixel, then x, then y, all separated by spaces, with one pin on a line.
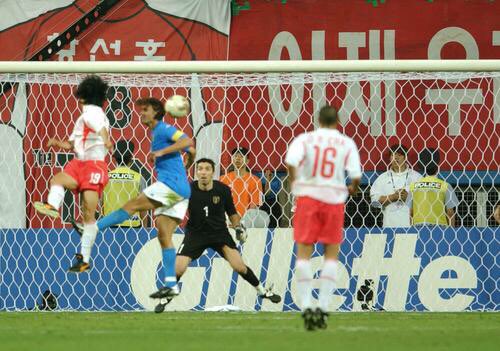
pixel 324 161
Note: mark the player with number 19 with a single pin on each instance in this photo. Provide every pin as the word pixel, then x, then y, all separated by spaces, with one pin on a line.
pixel 87 173
pixel 168 196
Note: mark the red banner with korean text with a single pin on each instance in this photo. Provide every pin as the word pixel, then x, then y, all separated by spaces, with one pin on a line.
pixel 131 31
pixel 418 114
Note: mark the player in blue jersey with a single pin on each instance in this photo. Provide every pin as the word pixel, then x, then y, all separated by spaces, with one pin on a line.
pixel 169 196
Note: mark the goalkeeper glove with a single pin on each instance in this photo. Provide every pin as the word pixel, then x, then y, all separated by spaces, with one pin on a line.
pixel 241 233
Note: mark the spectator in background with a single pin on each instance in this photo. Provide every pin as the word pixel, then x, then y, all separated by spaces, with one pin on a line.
pixel 272 186
pixel 496 214
pixel 124 183
pixel 390 189
pixel 432 201
pixel 287 203
pixel 246 188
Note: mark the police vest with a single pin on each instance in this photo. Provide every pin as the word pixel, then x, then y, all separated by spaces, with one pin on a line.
pixel 124 184
pixel 429 196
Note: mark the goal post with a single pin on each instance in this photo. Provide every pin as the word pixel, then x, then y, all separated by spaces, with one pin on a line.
pixel 450 105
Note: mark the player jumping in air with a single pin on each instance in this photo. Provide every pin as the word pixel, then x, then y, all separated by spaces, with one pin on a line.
pixel 316 163
pixel 168 196
pixel 87 173
pixel 206 228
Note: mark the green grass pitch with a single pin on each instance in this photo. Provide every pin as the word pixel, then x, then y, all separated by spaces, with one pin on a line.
pixel 247 331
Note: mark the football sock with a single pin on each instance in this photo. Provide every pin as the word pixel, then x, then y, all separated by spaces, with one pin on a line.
pixel 304 282
pixel 169 267
pixel 56 196
pixel 260 290
pixel 327 278
pixel 250 277
pixel 114 218
pixel 88 240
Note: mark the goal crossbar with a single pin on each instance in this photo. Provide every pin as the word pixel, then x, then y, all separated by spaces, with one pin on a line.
pixel 250 66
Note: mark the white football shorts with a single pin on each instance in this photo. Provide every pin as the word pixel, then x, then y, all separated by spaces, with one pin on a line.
pixel 174 205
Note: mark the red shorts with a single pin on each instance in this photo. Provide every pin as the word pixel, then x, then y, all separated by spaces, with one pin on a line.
pixel 90 175
pixel 318 222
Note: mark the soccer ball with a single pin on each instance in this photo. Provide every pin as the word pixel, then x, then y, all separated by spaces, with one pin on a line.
pixel 177 106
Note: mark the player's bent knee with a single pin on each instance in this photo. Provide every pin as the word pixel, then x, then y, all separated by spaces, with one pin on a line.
pixel 181 265
pixel 179 272
pixel 180 269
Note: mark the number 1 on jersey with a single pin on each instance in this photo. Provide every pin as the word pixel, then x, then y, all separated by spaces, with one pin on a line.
pixel 206 211
pixel 327 162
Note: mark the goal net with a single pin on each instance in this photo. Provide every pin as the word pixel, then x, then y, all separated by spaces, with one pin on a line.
pixel 406 269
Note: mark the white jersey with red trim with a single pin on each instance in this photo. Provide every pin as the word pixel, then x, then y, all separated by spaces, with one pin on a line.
pixel 89 145
pixel 321 159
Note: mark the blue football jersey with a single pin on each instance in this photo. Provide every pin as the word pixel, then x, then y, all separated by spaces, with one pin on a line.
pixel 170 168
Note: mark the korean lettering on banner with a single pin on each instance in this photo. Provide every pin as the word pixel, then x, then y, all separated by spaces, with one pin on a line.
pixel 100 44
pixel 150 47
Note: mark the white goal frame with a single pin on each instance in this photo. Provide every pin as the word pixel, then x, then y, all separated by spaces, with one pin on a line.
pixel 249 66
pixel 272 260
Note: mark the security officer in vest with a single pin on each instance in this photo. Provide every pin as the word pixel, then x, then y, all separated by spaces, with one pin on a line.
pixel 432 201
pixel 124 183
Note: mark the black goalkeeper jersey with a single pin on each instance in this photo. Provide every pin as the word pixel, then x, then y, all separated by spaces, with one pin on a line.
pixel 207 209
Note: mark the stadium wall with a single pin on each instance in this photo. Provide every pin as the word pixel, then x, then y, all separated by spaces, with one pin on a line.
pixel 420 269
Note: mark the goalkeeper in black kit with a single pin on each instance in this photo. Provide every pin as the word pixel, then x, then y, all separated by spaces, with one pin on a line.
pixel 206 228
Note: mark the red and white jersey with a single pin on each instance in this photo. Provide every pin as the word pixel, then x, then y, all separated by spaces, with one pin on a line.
pixel 88 144
pixel 321 159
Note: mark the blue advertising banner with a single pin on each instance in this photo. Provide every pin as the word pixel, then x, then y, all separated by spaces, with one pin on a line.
pixel 418 269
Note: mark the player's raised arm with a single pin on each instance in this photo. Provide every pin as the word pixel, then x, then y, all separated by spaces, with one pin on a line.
pixel 191 156
pixel 98 125
pixel 104 134
pixel 63 144
pixel 181 142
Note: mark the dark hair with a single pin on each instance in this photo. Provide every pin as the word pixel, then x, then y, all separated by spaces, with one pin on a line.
pixel 398 149
pixel 328 115
pixel 124 149
pixel 242 150
pixel 206 160
pixel 155 104
pixel 428 161
pixel 92 90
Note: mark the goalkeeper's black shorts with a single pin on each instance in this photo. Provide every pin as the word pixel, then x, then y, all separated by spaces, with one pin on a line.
pixel 194 244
